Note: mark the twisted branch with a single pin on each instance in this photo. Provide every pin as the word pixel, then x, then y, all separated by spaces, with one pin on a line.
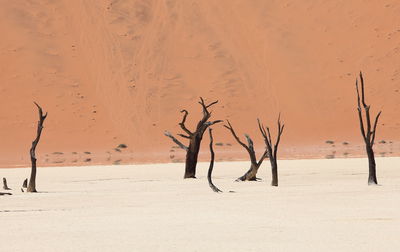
pixel 210 169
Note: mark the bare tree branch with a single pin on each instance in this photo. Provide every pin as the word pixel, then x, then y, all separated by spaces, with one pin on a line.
pixel 269 137
pixel 361 124
pixel 184 136
pixel 264 156
pixel 368 121
pixel 278 139
pixel 214 122
pixel 229 127
pixel 360 113
pixel 362 90
pixel 206 113
pixel 266 136
pixel 249 142
pixel 358 95
pixel 212 103
pixel 210 169
pixel 374 129
pixel 203 104
pixel 182 123
pixel 168 134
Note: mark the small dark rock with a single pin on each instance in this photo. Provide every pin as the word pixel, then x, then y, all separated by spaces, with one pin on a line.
pixel 122 146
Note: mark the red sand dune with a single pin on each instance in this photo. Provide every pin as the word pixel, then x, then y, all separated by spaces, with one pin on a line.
pixel 112 72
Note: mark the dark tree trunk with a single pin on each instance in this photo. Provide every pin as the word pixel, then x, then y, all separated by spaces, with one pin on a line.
pixel 368 131
pixel 5 186
pixel 372 180
pixel 274 169
pixel 210 169
pixel 191 158
pixel 251 174
pixel 192 151
pixel 32 179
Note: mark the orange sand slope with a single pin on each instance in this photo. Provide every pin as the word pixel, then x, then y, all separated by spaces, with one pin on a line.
pixel 112 72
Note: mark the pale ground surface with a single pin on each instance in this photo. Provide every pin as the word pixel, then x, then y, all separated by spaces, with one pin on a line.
pixel 320 205
pixel 119 71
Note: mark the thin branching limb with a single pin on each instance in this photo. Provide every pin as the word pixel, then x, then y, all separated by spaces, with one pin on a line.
pixel 181 145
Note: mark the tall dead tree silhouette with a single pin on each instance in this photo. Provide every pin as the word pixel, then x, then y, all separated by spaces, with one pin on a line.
pixel 272 148
pixel 32 179
pixel 192 151
pixel 251 174
pixel 369 133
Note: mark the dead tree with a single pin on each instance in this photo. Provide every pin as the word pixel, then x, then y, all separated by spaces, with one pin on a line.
pixel 272 149
pixel 5 186
pixel 369 133
pixel 192 151
pixel 210 169
pixel 250 175
pixel 32 180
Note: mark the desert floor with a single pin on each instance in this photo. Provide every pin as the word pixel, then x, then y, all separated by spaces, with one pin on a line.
pixel 113 72
pixel 320 205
